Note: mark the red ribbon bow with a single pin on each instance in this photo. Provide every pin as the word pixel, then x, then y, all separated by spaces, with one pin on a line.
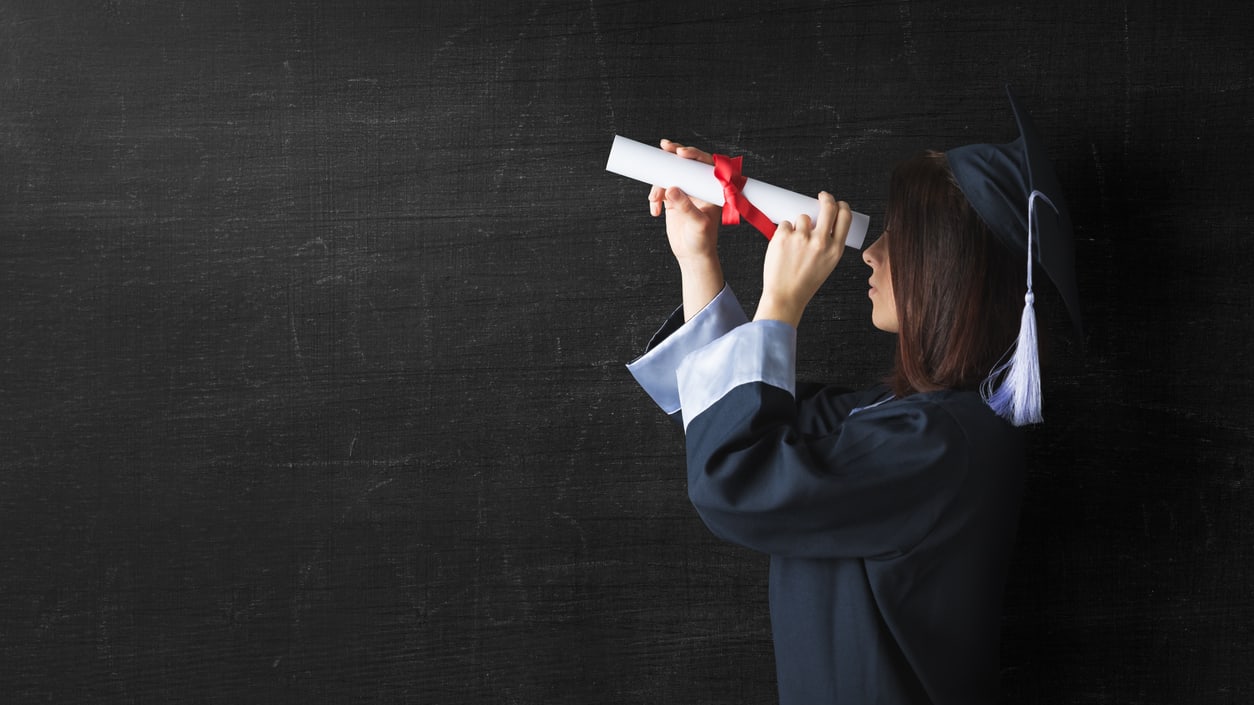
pixel 735 205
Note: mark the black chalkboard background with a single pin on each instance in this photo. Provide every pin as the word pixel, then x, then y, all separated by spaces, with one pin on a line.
pixel 313 320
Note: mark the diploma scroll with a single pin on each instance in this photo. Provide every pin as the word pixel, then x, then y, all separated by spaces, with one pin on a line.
pixel 659 167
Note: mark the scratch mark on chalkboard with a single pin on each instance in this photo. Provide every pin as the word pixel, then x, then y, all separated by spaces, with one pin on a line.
pixel 735 145
pixel 597 39
pixel 455 598
pixel 410 459
pixel 452 39
pixel 291 320
pixel 583 536
pixel 317 241
pixel 507 59
pixel 322 553
pixel 907 30
pixel 352 446
pixel 835 146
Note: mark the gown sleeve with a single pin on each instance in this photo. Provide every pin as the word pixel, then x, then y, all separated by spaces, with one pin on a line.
pixel 810 478
pixel 655 369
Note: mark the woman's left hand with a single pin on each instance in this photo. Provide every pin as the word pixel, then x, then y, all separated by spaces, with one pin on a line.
pixel 799 259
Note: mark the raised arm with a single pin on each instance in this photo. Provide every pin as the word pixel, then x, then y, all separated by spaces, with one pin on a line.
pixel 692 229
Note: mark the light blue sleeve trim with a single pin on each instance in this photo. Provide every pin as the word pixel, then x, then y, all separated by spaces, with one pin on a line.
pixel 762 351
pixel 655 370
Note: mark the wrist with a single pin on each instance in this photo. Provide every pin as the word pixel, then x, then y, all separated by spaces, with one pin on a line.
pixel 702 281
pixel 703 263
pixel 706 273
pixel 775 308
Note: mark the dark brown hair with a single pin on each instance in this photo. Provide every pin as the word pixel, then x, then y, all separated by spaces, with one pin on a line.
pixel 959 290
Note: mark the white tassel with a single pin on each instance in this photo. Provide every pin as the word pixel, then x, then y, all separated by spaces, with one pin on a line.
pixel 1018 396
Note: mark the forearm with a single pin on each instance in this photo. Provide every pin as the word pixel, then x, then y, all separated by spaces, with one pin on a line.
pixel 702 281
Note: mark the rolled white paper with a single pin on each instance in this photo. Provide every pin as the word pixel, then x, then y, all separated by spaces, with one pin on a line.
pixel 658 167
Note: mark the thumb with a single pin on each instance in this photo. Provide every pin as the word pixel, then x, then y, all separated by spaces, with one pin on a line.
pixel 678 201
pixel 681 209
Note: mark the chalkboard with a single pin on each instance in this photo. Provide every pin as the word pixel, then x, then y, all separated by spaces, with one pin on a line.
pixel 314 317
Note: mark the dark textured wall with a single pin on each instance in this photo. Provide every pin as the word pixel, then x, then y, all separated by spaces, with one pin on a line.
pixel 313 317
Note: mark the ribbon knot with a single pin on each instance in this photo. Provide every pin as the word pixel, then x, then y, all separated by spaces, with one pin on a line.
pixel 735 205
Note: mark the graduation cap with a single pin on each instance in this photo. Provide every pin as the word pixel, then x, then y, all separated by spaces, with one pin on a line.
pixel 1014 190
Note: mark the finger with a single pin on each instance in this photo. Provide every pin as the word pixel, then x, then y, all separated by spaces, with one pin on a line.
pixel 655 201
pixel 687 152
pixel 803 223
pixel 697 154
pixel 827 214
pixel 844 219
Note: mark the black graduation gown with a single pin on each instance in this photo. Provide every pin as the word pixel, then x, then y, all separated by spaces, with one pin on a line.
pixel 889 522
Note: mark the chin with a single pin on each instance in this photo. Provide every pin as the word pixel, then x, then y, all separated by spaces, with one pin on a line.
pixel 886 326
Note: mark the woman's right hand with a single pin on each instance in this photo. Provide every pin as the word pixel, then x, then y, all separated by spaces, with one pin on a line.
pixel 691 223
pixel 692 228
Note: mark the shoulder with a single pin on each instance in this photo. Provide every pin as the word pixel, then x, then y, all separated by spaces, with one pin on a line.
pixel 956 419
pixel 964 407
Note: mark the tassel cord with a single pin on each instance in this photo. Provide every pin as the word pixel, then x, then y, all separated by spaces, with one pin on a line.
pixel 1018 396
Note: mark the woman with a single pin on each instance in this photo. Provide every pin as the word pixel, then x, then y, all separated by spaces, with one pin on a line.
pixel 889 514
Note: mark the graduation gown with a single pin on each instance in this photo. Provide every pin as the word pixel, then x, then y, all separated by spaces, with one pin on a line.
pixel 889 522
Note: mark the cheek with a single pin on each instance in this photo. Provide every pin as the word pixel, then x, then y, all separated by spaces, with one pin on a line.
pixel 884 313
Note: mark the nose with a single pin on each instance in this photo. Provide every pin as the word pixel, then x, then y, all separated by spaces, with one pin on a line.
pixel 871 254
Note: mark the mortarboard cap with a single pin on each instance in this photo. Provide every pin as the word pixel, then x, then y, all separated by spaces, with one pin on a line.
pixel 1005 183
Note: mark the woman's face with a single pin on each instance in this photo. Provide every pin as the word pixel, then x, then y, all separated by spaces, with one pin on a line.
pixel 883 306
